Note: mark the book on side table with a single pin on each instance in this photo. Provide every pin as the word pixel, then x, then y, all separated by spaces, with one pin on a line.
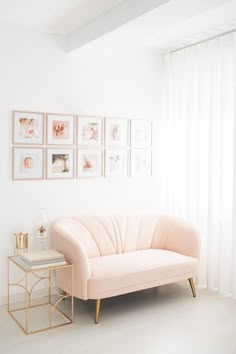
pixel 42 259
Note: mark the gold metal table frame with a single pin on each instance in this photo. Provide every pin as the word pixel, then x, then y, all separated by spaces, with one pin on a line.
pixel 51 309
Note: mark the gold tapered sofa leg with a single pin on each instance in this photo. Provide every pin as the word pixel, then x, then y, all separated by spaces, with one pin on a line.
pixel 98 305
pixel 191 282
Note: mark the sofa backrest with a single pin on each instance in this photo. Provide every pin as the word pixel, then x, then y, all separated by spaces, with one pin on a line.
pixel 107 235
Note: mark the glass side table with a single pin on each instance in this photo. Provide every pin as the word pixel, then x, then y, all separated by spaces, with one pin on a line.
pixel 40 306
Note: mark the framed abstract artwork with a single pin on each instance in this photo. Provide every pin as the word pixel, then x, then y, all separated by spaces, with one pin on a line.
pixel 141 163
pixel 141 133
pixel 90 131
pixel 28 128
pixel 116 163
pixel 27 163
pixel 90 163
pixel 116 132
pixel 60 163
pixel 60 129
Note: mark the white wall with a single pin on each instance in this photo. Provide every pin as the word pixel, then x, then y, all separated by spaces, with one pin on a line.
pixel 37 75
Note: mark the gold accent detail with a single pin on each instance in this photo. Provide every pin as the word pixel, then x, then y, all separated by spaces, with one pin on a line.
pixel 72 292
pixel 28 292
pixel 62 293
pixel 98 305
pixel 21 242
pixel 8 282
pixel 27 303
pixel 59 300
pixel 191 282
pixel 38 281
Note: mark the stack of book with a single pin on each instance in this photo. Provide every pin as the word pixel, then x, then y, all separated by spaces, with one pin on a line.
pixel 43 259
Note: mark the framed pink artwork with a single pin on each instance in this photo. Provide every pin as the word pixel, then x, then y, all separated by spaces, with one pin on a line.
pixel 27 163
pixel 90 163
pixel 28 128
pixel 90 131
pixel 60 129
pixel 116 132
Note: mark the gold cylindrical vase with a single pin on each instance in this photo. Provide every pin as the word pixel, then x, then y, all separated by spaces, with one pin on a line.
pixel 21 241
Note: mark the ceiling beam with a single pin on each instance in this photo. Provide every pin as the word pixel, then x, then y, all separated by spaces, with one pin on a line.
pixel 110 20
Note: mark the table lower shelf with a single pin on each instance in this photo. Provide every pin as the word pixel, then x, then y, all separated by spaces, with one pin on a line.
pixel 41 317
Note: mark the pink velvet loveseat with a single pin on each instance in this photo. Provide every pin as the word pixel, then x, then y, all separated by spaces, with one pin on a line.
pixel 114 255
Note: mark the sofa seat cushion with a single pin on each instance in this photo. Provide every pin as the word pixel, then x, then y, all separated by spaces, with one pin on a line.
pixel 127 272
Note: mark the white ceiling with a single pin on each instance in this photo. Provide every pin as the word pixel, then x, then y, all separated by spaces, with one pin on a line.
pixel 176 24
pixel 53 16
pixel 172 25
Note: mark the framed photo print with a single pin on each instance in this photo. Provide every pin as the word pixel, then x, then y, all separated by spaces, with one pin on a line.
pixel 90 163
pixel 116 163
pixel 60 163
pixel 27 163
pixel 141 133
pixel 116 132
pixel 28 128
pixel 141 163
pixel 90 131
pixel 60 129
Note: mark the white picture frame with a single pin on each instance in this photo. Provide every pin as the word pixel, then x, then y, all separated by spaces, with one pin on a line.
pixel 141 133
pixel 60 129
pixel 116 132
pixel 28 128
pixel 60 163
pixel 141 163
pixel 90 163
pixel 116 163
pixel 89 131
pixel 27 163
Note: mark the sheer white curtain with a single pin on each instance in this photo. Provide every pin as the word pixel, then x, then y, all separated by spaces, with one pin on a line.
pixel 196 152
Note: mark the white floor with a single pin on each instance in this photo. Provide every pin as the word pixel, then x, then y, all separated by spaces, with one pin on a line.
pixel 165 320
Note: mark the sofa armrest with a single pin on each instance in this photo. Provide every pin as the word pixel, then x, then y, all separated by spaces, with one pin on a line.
pixel 177 236
pixel 65 242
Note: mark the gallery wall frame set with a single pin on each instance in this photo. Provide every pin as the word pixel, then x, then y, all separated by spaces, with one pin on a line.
pixel 58 146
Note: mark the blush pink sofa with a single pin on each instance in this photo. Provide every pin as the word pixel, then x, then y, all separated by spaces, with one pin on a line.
pixel 114 255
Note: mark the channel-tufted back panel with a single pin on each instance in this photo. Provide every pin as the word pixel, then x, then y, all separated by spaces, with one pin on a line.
pixel 107 235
